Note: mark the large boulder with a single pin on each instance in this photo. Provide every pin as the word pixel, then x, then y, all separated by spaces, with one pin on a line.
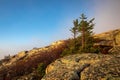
pixel 84 67
pixel 107 40
pixel 108 37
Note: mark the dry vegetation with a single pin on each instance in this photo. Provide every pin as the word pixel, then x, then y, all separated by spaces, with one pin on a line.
pixel 30 64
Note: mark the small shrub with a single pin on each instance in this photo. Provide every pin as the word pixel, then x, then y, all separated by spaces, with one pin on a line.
pixel 66 52
pixel 89 49
pixel 94 50
pixel 41 69
pixel 72 47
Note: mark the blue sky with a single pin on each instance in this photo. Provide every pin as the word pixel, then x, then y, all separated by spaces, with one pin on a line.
pixel 25 24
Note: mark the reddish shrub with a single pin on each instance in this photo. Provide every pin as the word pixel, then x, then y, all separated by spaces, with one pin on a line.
pixel 26 66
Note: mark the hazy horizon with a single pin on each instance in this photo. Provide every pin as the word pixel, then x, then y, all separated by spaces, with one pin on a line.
pixel 25 24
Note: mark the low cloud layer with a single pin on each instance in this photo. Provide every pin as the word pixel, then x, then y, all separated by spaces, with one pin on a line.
pixel 107 15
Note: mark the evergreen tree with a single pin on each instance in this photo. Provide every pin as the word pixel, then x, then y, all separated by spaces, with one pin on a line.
pixel 74 29
pixel 85 28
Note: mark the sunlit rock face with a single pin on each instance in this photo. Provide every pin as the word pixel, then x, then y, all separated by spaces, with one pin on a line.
pixel 15 58
pixel 54 45
pixel 84 67
pixel 113 35
pixel 118 38
pixel 108 42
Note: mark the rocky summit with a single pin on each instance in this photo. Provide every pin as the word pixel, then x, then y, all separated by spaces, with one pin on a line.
pixel 31 65
pixel 84 67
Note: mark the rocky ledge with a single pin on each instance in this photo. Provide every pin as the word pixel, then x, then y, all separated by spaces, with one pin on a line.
pixel 84 67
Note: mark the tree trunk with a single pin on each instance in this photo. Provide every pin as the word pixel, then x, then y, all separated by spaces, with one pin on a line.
pixel 83 38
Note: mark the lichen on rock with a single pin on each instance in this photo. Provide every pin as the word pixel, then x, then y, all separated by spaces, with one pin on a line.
pixel 84 67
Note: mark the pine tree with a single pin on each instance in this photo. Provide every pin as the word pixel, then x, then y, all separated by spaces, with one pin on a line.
pixel 74 29
pixel 85 28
